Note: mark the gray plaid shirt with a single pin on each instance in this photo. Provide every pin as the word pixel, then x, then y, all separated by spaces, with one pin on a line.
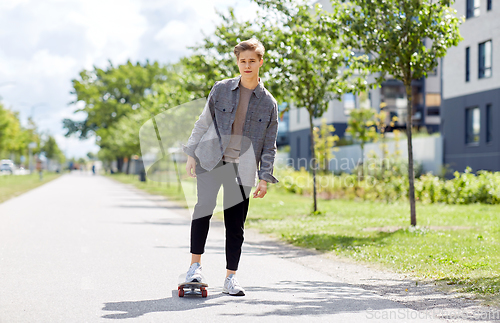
pixel 213 131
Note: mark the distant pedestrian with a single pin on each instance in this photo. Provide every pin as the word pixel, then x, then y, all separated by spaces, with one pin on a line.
pixel 93 169
pixel 39 167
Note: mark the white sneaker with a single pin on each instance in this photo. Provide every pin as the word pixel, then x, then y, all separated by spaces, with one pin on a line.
pixel 194 273
pixel 232 286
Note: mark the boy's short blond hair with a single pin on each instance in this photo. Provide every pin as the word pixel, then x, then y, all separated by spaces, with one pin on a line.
pixel 250 44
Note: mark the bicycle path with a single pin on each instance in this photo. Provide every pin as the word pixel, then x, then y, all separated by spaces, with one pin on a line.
pixel 85 248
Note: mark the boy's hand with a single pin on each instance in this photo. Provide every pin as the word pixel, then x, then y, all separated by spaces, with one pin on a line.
pixel 261 189
pixel 191 164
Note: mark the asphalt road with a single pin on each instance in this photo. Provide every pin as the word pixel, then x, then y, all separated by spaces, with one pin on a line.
pixel 84 248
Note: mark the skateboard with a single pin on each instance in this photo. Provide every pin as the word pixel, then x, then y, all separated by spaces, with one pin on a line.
pixel 192 288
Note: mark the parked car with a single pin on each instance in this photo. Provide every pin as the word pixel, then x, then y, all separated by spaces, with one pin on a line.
pixel 6 165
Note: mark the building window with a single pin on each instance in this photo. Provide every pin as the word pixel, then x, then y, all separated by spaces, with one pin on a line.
pixel 489 123
pixel 433 99
pixel 488 7
pixel 485 59
pixel 298 115
pixel 473 8
pixel 467 64
pixel 349 103
pixel 433 111
pixel 473 125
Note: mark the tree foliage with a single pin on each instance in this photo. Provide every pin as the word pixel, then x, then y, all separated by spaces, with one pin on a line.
pixel 14 137
pixel 119 99
pixel 403 39
pixel 311 65
pixel 51 150
pixel 213 59
pixel 325 142
pixel 10 131
pixel 361 127
pixel 110 94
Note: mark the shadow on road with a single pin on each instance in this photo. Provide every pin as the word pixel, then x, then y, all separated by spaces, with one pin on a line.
pixel 276 248
pixel 287 298
pixel 131 309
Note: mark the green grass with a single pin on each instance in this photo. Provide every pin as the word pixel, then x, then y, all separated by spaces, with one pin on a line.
pixel 14 185
pixel 457 246
pixel 151 187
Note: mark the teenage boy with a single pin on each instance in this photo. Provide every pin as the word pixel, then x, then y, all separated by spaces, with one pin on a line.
pixel 243 113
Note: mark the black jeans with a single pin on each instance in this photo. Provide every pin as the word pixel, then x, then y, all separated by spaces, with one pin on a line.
pixel 235 204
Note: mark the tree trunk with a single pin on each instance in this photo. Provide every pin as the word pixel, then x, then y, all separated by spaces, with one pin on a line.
pixel 129 160
pixel 411 178
pixel 119 164
pixel 362 162
pixel 315 204
pixel 167 162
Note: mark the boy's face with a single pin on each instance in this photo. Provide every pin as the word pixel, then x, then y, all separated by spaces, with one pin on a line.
pixel 249 64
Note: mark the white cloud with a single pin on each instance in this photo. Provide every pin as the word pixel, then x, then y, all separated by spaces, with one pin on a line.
pixel 9 4
pixel 175 34
pixel 73 147
pixel 45 44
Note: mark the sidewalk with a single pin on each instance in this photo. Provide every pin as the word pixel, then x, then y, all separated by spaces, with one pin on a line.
pixel 85 248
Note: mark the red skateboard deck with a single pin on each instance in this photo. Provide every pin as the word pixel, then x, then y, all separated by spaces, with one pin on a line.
pixel 192 288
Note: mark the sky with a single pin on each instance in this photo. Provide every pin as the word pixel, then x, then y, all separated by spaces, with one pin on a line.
pixel 44 44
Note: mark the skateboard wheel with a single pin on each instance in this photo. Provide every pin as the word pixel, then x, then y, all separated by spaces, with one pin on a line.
pixel 204 293
pixel 181 292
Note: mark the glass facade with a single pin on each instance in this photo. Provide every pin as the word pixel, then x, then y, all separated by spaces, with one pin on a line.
pixel 473 8
pixel 484 59
pixel 472 125
pixel 349 103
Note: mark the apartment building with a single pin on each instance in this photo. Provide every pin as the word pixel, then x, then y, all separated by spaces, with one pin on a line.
pixel 471 90
pixel 282 137
pixel 391 97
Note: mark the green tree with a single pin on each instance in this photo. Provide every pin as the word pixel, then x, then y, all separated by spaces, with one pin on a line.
pixel 310 63
pixel 404 39
pixel 381 124
pixel 114 103
pixel 123 138
pixel 303 61
pixel 11 131
pixel 5 128
pixel 110 94
pixel 361 127
pixel 325 143
pixel 52 151
pixel 14 138
pixel 213 59
pixel 106 156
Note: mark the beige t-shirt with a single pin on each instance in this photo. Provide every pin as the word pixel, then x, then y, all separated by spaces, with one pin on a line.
pixel 233 149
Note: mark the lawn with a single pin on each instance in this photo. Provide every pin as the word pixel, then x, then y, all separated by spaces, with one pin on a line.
pixel 456 246
pixel 14 185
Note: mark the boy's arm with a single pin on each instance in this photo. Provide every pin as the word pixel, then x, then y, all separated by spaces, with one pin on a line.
pixel 201 125
pixel 269 149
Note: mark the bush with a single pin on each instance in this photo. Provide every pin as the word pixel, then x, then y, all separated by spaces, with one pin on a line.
pixel 392 184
